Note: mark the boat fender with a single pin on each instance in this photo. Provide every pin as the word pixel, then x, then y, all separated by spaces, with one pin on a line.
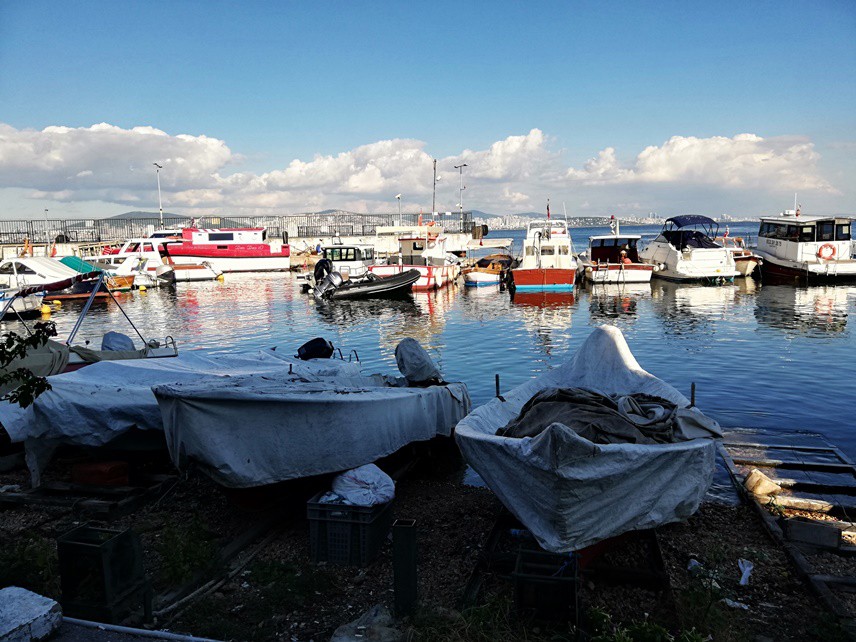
pixel 826 251
pixel 588 270
pixel 656 268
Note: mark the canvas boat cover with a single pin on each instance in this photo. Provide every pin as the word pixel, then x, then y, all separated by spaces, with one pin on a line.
pixel 571 492
pixel 251 430
pixel 99 403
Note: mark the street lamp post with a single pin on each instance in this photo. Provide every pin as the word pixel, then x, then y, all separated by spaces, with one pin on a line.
pixel 434 197
pixel 160 203
pixel 47 234
pixel 461 201
pixel 398 197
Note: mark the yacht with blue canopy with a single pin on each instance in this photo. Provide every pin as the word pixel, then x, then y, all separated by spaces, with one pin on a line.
pixel 685 251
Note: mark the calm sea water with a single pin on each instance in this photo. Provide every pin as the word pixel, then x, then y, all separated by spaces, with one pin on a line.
pixel 766 356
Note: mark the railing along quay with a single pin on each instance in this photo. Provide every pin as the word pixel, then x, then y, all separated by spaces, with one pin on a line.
pixel 15 232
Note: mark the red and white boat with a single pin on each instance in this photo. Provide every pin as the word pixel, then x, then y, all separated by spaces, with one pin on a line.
pixel 426 253
pixel 614 258
pixel 548 263
pixel 234 249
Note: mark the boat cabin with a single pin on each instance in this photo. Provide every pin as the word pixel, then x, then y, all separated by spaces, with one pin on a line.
pixel 421 250
pixel 351 261
pixel 805 238
pixel 225 236
pixel 608 248
pixel 690 232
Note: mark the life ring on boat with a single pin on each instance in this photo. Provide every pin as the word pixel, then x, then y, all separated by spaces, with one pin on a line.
pixel 322 269
pixel 826 251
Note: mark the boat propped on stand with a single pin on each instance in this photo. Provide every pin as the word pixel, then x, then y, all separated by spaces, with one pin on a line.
pixel 548 262
pixel 811 248
pixel 614 258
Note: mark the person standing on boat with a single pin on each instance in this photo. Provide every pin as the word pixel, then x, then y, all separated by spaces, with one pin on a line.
pixel 318 247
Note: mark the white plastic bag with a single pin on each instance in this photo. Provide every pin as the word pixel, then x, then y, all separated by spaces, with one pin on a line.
pixel 364 486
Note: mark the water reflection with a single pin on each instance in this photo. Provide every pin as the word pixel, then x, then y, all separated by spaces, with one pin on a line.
pixel 547 316
pixel 818 310
pixel 617 304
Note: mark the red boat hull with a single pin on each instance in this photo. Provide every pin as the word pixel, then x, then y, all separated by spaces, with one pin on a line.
pixel 544 279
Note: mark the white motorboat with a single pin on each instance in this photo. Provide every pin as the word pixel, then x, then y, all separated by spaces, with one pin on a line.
pixel 614 258
pixel 22 272
pixel 426 252
pixel 685 251
pixel 152 256
pixel 492 269
pixel 571 490
pixel 745 260
pixel 813 248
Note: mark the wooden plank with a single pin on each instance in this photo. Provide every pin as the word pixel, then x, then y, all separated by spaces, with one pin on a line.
pixel 816 488
pixel 796 465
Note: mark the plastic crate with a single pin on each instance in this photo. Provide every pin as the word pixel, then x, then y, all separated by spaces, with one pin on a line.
pixel 545 586
pixel 348 535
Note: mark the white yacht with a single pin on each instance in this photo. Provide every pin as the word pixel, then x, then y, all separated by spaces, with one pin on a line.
pixel 815 248
pixel 685 251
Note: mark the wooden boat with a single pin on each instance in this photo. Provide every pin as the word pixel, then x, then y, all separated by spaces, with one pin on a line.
pixel 489 270
pixel 114 282
pixel 571 492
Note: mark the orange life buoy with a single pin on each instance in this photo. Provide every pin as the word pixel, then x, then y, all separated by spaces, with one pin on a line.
pixel 419 222
pixel 826 251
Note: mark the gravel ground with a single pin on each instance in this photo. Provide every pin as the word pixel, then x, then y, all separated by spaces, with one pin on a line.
pixel 280 595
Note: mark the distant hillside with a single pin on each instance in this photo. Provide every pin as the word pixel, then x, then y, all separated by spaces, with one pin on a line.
pixel 139 214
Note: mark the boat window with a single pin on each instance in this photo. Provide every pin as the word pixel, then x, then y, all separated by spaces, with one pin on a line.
pixel 147 247
pixel 793 233
pixel 6 269
pixel 597 243
pixel 765 229
pixel 631 243
pixel 563 249
pixel 609 242
pixel 547 250
pixel 368 254
pixel 349 254
pixel 826 231
pixel 530 250
pixel 842 232
pixel 221 236
pixel 418 246
pixel 133 247
pixel 807 234
pixel 23 269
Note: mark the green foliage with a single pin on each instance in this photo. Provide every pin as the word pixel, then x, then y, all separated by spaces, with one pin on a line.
pixel 30 563
pixel 25 386
pixel 288 585
pixel 186 550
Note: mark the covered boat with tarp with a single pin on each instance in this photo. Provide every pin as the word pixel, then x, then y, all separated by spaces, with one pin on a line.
pixel 685 251
pixel 592 449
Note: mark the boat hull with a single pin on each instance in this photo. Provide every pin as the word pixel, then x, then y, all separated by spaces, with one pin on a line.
pixel 398 285
pixel 477 279
pixel 843 270
pixel 559 279
pixel 431 277
pixel 258 263
pixel 618 273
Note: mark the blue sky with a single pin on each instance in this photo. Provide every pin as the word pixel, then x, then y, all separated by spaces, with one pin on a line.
pixel 277 82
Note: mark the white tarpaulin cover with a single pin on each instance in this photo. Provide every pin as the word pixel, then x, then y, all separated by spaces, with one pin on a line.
pixel 570 492
pixel 98 403
pixel 251 431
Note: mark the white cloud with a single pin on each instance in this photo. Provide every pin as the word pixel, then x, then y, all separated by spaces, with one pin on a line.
pixel 109 164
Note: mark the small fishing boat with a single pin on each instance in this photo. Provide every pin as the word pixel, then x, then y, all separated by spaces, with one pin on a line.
pixel 425 252
pixel 574 473
pixel 745 260
pixel 114 282
pixel 614 258
pixel 24 271
pixel 331 285
pixel 492 269
pixel 548 262
pixel 685 251
pixel 808 248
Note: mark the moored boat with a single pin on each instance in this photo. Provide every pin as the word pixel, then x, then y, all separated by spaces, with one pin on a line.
pixel 810 248
pixel 239 249
pixel 614 258
pixel 685 251
pixel 567 452
pixel 492 269
pixel 745 260
pixel 153 256
pixel 426 253
pixel 331 286
pixel 21 272
pixel 548 262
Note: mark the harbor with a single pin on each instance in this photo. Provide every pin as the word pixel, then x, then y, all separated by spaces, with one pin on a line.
pixel 492 338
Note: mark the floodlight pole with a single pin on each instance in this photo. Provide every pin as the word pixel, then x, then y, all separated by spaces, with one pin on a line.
pixel 461 201
pixel 434 197
pixel 160 203
pixel 399 207
pixel 47 234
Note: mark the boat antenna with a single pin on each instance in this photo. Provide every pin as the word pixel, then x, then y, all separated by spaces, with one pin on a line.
pixel 568 227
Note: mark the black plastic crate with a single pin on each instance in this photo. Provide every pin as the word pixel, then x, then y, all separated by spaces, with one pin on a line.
pixel 545 586
pixel 348 535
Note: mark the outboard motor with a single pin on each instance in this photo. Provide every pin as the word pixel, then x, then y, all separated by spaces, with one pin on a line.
pixel 317 348
pixel 327 285
pixel 416 364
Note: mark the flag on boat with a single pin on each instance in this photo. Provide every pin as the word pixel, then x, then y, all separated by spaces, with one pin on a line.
pixel 548 210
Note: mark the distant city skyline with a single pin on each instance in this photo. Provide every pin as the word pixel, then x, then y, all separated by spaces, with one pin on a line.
pixel 278 108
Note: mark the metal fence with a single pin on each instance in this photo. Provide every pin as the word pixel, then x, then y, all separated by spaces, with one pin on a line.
pixel 301 226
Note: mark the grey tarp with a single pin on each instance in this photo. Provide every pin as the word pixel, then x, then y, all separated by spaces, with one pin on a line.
pixel 570 492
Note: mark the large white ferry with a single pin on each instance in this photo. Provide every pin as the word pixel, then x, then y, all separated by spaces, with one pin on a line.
pixel 239 249
pixel 685 251
pixel 816 248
